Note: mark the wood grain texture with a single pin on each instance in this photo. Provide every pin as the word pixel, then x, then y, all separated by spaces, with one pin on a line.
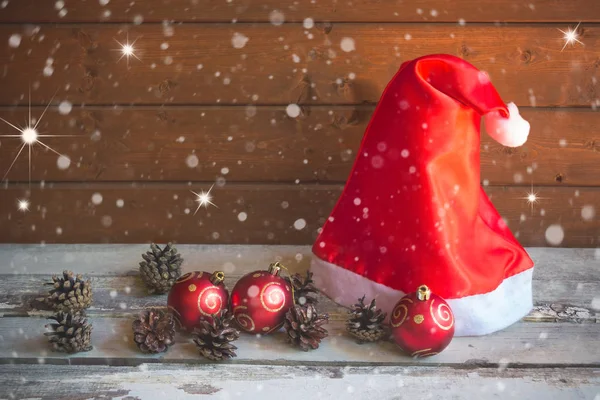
pixel 565 284
pixel 524 343
pixel 249 144
pixel 197 63
pixel 323 10
pixel 274 214
pixel 555 300
pixel 296 382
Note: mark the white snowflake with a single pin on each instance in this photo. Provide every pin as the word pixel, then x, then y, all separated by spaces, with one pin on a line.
pixel 300 224
pixel 293 110
pixel 192 161
pixel 14 40
pixel 63 162
pixel 239 40
pixel 65 107
pixel 97 199
pixel 308 23
pixel 555 234
pixel 276 17
pixel 347 44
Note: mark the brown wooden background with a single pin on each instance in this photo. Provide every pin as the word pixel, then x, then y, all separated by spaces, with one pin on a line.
pixel 193 94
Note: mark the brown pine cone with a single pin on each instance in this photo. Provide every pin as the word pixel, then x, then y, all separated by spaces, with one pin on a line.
pixel 304 290
pixel 365 322
pixel 71 334
pixel 160 268
pixel 303 326
pixel 154 331
pixel 213 338
pixel 70 292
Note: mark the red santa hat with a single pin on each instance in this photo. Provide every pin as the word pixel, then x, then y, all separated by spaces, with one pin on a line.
pixel 413 211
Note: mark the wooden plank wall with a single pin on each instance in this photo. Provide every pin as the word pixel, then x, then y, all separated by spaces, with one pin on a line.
pixel 206 104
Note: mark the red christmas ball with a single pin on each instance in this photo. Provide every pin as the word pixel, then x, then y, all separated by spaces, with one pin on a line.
pixel 422 323
pixel 260 299
pixel 196 296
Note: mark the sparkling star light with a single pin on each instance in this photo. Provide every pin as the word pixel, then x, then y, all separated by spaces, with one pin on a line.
pixel 532 198
pixel 203 199
pixel 571 36
pixel 127 50
pixel 23 205
pixel 30 136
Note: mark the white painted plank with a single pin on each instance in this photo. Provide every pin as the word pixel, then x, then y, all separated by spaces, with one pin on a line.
pixel 567 277
pixel 122 295
pixel 99 259
pixel 295 382
pixel 522 343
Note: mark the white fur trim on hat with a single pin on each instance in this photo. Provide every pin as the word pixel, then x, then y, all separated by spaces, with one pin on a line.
pixel 473 315
pixel 512 131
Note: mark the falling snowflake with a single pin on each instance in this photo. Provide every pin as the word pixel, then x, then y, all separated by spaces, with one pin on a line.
pixel 106 221
pixel 239 40
pixel 588 212
pixel 97 199
pixel 276 17
pixel 63 162
pixel 300 224
pixel 555 234
pixel 377 161
pixel 293 110
pixel 65 107
pixel 347 44
pixel 14 40
pixel 48 70
pixel 308 23
pixel 192 161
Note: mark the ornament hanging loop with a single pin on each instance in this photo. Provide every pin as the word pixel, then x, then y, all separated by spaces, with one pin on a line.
pixel 423 293
pixel 217 277
pixel 275 268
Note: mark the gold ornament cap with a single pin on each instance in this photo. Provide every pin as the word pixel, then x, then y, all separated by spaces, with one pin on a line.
pixel 217 277
pixel 423 293
pixel 275 268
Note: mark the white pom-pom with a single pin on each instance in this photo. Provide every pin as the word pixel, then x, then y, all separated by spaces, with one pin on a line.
pixel 512 131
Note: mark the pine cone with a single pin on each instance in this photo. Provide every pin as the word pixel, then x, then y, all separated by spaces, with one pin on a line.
pixel 154 331
pixel 71 333
pixel 304 290
pixel 303 326
pixel 213 338
pixel 366 322
pixel 160 268
pixel 70 293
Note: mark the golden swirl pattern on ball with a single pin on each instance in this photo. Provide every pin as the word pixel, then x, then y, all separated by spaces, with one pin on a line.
pixel 187 277
pixel 273 295
pixel 210 301
pixel 442 316
pixel 400 312
pixel 243 319
pixel 423 353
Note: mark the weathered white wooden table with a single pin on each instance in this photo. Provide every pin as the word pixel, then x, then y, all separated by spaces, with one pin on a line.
pixel 554 353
